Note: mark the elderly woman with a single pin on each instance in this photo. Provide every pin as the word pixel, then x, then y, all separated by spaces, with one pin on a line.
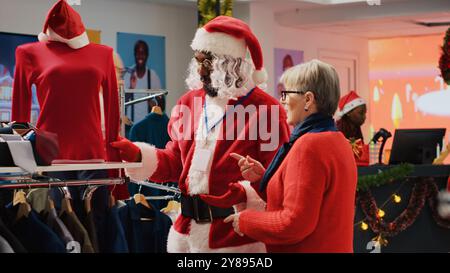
pixel 311 183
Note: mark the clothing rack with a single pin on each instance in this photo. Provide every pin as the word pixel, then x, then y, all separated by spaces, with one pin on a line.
pixel 33 183
pixel 151 198
pixel 145 98
pixel 157 186
pixel 15 177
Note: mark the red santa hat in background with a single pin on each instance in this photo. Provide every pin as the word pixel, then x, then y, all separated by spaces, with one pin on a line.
pixel 226 35
pixel 349 102
pixel 64 24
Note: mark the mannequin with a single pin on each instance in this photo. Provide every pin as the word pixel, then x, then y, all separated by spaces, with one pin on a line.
pixel 68 73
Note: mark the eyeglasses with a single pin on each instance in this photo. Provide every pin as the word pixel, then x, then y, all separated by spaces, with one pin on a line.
pixel 285 92
pixel 206 63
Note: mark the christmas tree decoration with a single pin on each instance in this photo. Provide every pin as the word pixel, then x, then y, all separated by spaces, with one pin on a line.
pixel 381 213
pixel 396 198
pixel 364 226
pixel 424 189
pixel 210 9
pixel 380 240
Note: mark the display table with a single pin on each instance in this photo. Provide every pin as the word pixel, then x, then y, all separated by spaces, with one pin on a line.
pixel 425 233
pixel 75 167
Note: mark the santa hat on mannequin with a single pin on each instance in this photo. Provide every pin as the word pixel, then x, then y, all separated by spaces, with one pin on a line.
pixel 349 102
pixel 226 35
pixel 63 24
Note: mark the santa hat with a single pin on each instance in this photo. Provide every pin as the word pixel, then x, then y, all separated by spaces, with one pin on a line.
pixel 63 24
pixel 349 102
pixel 226 35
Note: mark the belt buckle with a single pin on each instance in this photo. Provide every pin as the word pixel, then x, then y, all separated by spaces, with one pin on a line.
pixel 196 214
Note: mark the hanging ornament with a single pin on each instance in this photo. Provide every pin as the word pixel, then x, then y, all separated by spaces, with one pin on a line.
pixel 397 199
pixel 364 226
pixel 381 213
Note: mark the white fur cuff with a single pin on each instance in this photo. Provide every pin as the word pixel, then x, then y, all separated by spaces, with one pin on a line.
pixel 253 200
pixel 149 163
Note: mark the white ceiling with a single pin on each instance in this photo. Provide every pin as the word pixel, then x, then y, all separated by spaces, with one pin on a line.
pixel 392 18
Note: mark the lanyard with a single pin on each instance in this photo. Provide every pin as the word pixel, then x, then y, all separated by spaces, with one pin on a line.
pixel 208 130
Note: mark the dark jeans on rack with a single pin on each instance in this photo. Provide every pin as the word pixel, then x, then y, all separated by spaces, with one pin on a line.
pixel 99 202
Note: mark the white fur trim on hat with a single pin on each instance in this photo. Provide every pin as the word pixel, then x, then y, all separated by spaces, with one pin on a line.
pixel 42 37
pixel 219 43
pixel 253 200
pixel 80 41
pixel 351 105
pixel 260 76
pixel 149 163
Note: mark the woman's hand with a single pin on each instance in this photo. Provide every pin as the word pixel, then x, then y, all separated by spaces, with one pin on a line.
pixel 234 218
pixel 251 169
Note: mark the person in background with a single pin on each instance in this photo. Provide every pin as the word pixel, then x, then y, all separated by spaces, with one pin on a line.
pixel 310 185
pixel 352 114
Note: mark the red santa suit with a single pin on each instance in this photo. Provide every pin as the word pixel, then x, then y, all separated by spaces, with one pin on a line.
pixel 191 147
pixel 175 163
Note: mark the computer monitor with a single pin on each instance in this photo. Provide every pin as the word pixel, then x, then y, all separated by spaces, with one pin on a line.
pixel 416 146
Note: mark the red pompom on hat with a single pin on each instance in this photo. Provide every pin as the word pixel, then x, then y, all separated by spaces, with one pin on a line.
pixel 64 24
pixel 226 35
pixel 349 102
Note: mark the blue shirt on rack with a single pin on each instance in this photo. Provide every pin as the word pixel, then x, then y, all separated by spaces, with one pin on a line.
pixel 146 229
pixel 152 130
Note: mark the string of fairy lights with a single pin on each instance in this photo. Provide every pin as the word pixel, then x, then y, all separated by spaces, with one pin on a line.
pixel 394 198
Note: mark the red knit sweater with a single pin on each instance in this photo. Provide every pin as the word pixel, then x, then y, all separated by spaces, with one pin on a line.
pixel 310 199
pixel 68 83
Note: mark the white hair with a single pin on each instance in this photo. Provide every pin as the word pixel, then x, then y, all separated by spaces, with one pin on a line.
pixel 318 77
pixel 230 76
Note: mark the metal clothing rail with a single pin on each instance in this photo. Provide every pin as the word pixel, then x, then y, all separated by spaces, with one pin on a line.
pixel 33 183
pixel 157 186
pixel 145 91
pixel 145 98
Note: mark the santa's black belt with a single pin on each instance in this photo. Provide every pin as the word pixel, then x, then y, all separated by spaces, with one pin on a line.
pixel 194 207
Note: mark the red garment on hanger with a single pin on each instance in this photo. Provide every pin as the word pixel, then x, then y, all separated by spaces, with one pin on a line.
pixel 68 83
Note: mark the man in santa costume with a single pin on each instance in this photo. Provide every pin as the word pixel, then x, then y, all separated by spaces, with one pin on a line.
pixel 221 80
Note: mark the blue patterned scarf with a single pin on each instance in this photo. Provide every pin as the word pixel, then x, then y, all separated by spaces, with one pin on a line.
pixel 314 123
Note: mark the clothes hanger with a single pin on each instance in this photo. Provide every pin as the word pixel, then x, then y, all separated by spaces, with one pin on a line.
pixel 87 197
pixel 21 200
pixel 66 206
pixel 157 110
pixel 50 202
pixel 139 198
pixel 172 205
pixel 112 199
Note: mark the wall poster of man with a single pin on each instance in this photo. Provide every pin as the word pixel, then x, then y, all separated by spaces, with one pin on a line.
pixel 144 60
